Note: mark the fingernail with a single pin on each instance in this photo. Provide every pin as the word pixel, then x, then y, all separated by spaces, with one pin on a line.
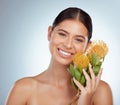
pixel 83 70
pixel 89 65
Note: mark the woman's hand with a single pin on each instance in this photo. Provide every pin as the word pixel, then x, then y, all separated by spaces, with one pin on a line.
pixel 87 92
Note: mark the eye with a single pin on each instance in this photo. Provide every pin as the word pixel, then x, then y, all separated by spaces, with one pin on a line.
pixel 80 40
pixel 62 34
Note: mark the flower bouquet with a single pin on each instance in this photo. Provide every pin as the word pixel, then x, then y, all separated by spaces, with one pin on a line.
pixel 94 55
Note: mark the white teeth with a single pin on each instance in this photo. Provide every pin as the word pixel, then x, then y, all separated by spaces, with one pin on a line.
pixel 65 53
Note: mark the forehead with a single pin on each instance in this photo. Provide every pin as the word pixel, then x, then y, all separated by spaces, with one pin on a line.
pixel 73 27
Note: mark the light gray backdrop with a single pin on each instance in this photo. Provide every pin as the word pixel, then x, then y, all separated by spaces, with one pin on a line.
pixel 23 38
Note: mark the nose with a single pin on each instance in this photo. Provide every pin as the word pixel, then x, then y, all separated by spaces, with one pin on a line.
pixel 68 43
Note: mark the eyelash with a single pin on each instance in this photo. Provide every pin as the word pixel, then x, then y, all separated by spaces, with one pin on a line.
pixel 79 40
pixel 62 34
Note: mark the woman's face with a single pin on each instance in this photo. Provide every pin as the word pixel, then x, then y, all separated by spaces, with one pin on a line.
pixel 66 39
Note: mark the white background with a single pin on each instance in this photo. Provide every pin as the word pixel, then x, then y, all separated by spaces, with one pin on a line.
pixel 23 38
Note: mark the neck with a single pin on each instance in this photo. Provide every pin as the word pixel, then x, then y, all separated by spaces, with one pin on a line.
pixel 59 74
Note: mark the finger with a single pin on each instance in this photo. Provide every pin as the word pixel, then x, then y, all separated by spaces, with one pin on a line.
pixel 99 77
pixel 80 86
pixel 93 77
pixel 91 72
pixel 88 80
pixel 86 75
pixel 99 74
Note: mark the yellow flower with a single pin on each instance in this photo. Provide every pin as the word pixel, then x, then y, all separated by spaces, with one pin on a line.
pixel 81 60
pixel 99 48
pixel 94 55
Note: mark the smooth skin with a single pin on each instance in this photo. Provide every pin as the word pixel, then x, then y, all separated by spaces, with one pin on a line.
pixel 53 86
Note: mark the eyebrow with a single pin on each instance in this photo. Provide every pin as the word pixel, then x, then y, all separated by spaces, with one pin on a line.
pixel 63 31
pixel 68 33
pixel 81 36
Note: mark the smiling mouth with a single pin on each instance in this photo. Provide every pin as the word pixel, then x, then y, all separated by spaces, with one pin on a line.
pixel 64 53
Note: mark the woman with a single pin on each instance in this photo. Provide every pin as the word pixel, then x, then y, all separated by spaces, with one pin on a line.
pixel 70 33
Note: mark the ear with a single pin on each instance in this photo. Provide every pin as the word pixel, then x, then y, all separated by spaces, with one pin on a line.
pixel 49 32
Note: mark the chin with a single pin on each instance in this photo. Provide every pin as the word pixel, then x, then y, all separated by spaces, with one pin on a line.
pixel 64 62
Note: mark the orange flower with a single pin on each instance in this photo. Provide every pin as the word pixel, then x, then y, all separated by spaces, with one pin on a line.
pixel 81 60
pixel 94 55
pixel 99 48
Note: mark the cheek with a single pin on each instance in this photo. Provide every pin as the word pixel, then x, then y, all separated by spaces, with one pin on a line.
pixel 53 43
pixel 80 48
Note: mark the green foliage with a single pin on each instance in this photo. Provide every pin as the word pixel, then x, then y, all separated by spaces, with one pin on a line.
pixel 77 72
pixel 71 70
pixel 83 80
pixel 96 63
pixel 93 59
pixel 96 69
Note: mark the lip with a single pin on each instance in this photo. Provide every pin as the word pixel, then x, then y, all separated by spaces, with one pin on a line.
pixel 64 54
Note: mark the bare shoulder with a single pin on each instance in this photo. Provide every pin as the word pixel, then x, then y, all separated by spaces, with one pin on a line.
pixel 30 82
pixel 21 91
pixel 103 95
pixel 25 82
pixel 104 86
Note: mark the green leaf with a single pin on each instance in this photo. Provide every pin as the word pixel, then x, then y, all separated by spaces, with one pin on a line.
pixel 99 63
pixel 79 68
pixel 93 59
pixel 71 70
pixel 96 69
pixel 83 80
pixel 77 74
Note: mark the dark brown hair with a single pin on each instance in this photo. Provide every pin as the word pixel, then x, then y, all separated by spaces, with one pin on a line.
pixel 75 13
